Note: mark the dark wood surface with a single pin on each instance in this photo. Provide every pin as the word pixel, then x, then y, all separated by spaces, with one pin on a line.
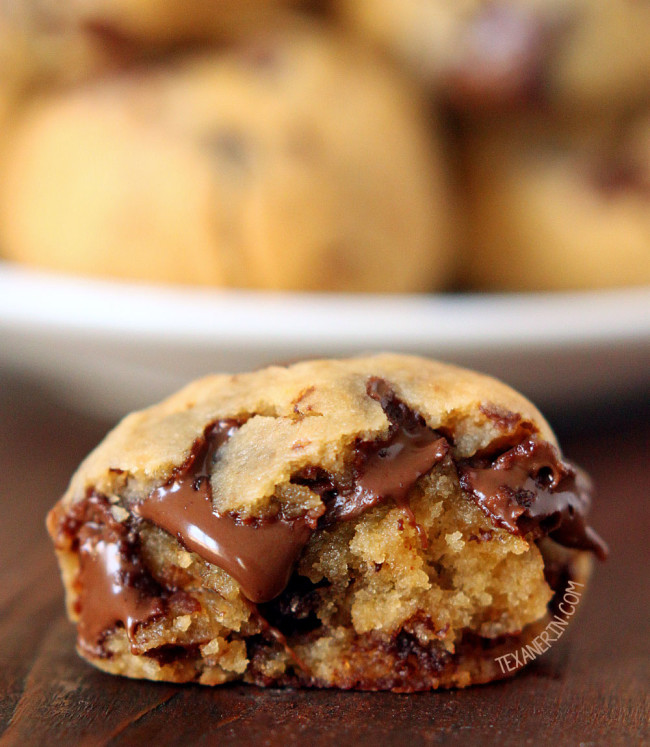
pixel 590 688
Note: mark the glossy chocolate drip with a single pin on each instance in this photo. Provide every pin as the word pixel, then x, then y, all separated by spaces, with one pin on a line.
pixel 389 469
pixel 383 469
pixel 527 489
pixel 260 557
pixel 530 490
pixel 114 587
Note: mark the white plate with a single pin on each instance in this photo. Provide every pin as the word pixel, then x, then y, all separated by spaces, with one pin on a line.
pixel 111 346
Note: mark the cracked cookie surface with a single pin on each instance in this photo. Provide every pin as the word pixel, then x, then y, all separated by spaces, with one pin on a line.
pixel 385 522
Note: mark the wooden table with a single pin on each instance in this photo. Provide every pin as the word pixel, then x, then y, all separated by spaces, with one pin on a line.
pixel 590 688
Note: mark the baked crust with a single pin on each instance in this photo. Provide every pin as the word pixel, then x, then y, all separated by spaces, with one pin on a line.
pixel 403 583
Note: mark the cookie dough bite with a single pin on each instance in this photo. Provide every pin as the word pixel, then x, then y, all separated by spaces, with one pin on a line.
pixel 48 44
pixel 28 61
pixel 483 56
pixel 552 209
pixel 385 522
pixel 42 52
pixel 294 161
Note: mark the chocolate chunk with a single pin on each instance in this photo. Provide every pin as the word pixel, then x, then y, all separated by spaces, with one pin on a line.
pixel 170 653
pixel 230 147
pixel 114 586
pixel 294 610
pixel 529 490
pixel 389 469
pixel 385 468
pixel 260 557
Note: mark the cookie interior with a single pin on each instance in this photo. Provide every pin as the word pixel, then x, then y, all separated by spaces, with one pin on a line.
pixel 397 575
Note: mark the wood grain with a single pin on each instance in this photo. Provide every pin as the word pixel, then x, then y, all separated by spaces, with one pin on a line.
pixel 590 688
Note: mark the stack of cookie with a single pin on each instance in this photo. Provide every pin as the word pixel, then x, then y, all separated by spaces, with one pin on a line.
pixel 384 146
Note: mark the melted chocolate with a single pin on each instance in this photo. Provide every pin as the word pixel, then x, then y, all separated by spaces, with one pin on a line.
pixel 530 490
pixel 108 594
pixel 383 469
pixel 294 611
pixel 114 587
pixel 389 469
pixel 260 557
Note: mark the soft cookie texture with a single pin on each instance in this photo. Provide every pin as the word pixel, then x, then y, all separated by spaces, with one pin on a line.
pixel 295 160
pixel 385 522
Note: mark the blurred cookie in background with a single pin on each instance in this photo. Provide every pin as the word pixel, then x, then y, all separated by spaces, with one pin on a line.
pixel 161 22
pixel 41 49
pixel 32 51
pixel 41 44
pixel 12 62
pixel 53 42
pixel 483 55
pixel 49 44
pixel 295 160
pixel 552 208
pixel 25 65
pixel 140 23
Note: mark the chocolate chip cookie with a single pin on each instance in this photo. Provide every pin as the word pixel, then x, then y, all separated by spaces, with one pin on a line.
pixel 559 209
pixel 484 56
pixel 296 160
pixel 385 522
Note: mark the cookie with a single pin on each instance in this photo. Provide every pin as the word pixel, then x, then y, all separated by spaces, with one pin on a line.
pixel 161 22
pixel 41 53
pixel 164 22
pixel 553 209
pixel 41 45
pixel 26 62
pixel 383 522
pixel 294 161
pixel 484 56
pixel 145 25
pixel 11 58
pixel 48 44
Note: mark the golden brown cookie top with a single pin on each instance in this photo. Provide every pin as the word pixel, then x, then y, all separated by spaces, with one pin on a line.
pixel 307 415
